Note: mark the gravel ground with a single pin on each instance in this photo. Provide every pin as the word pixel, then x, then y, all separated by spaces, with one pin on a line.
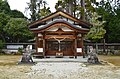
pixel 60 70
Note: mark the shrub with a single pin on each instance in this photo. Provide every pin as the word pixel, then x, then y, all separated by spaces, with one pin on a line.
pixel 1 46
pixel 20 50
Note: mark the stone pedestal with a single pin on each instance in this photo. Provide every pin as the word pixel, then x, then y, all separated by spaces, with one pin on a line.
pixel 26 59
pixel 92 56
pixel 93 59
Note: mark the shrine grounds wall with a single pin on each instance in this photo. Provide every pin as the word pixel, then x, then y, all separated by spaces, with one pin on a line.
pixel 12 48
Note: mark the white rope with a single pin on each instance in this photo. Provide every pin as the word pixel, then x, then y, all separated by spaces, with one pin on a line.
pixel 59 40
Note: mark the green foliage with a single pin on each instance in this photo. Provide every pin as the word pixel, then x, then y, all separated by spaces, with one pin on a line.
pixel 80 9
pixel 114 28
pixel 35 8
pixel 67 5
pixel 17 30
pixel 110 12
pixel 4 7
pixel 1 45
pixel 12 27
pixel 17 14
pixel 20 51
pixel 44 12
pixel 3 21
pixel 96 32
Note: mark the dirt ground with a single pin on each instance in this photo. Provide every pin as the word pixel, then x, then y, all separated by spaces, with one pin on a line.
pixel 57 70
pixel 111 59
pixel 9 59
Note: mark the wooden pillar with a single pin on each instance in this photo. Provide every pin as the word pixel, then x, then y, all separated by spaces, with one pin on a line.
pixel 44 47
pixel 44 44
pixel 36 42
pixel 75 53
pixel 82 45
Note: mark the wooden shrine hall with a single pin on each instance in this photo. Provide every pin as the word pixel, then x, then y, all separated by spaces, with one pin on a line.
pixel 59 34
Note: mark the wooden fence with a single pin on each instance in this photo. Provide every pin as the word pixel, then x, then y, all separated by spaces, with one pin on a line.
pixel 106 48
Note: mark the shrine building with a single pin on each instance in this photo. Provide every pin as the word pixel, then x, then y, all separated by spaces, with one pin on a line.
pixel 59 34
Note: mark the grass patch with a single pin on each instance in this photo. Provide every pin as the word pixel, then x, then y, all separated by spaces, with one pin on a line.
pixel 112 59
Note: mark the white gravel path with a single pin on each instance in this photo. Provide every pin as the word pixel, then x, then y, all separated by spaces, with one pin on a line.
pixel 72 70
pixel 60 70
pixel 57 70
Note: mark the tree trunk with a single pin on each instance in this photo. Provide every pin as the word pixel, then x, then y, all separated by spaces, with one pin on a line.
pixel 70 4
pixel 32 9
pixel 69 7
pixel 74 8
pixel 83 10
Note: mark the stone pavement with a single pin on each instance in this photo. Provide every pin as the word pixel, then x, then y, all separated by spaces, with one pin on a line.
pixel 64 59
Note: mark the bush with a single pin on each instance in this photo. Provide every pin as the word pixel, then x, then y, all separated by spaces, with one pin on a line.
pixel 20 50
pixel 1 46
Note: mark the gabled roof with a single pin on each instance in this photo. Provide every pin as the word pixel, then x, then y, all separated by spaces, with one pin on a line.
pixel 55 14
pixel 59 22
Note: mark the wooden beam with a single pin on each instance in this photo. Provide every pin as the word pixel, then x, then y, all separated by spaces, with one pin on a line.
pixel 57 25
pixel 60 36
pixel 55 32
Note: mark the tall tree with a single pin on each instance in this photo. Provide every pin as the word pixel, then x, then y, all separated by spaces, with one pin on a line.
pixel 35 7
pixel 78 8
pixel 32 7
pixel 113 32
pixel 109 10
pixel 11 25
pixel 17 30
pixel 16 14
pixel 4 19
pixel 44 12
pixel 68 5
pixel 97 31
pixel 83 9
pixel 4 7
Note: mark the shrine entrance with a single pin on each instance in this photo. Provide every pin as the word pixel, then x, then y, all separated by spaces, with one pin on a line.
pixel 66 47
pixel 59 34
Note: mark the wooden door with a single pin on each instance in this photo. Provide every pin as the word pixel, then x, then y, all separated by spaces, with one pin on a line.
pixel 66 47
